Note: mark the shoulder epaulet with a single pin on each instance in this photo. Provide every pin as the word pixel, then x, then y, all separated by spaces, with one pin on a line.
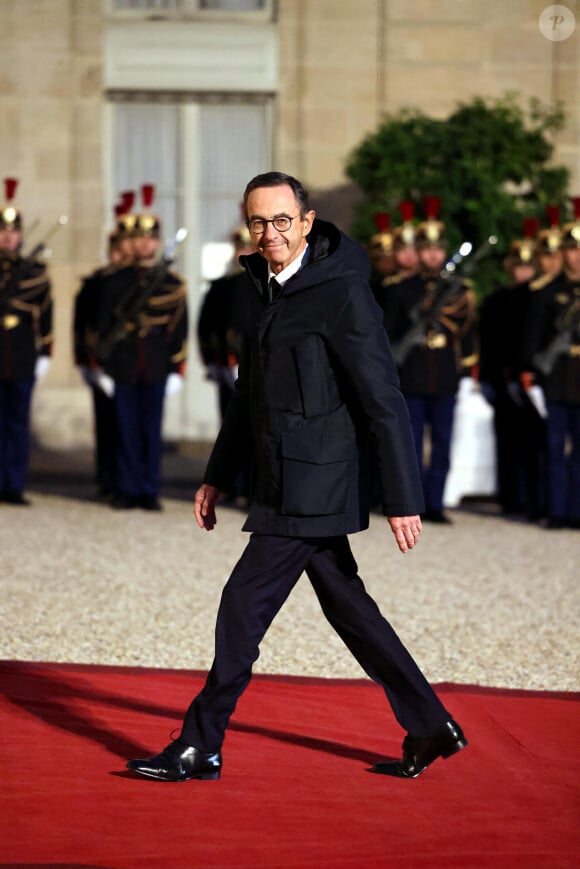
pixel 468 283
pixel 393 279
pixel 541 282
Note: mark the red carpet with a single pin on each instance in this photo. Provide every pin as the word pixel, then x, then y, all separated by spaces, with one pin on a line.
pixel 295 790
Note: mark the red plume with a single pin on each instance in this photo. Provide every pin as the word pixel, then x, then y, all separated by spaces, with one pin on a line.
pixel 431 206
pixel 531 226
pixel 553 215
pixel 119 209
pixel 147 194
pixel 407 210
pixel 576 206
pixel 382 221
pixel 127 200
pixel 10 185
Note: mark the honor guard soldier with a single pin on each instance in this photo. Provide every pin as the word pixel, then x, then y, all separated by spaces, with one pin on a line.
pixel 430 320
pixel 141 352
pixel 552 353
pixel 87 301
pixel 500 335
pixel 219 325
pixel 405 254
pixel 25 346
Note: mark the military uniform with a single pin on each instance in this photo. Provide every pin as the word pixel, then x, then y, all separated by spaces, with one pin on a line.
pixel 501 316
pixel 551 351
pixel 25 336
pixel 431 326
pixel 142 340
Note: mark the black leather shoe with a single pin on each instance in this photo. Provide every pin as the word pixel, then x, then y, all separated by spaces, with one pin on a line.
pixel 150 502
pixel 436 516
pixel 420 751
pixel 179 762
pixel 124 502
pixel 15 498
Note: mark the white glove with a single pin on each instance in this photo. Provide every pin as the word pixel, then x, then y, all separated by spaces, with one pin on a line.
pixel 173 384
pixel 536 395
pixel 41 367
pixel 467 385
pixel 105 383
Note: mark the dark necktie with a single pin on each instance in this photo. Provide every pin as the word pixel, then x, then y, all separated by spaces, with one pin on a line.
pixel 273 289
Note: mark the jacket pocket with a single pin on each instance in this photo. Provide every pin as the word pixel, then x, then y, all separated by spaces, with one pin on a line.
pixel 315 472
pixel 318 385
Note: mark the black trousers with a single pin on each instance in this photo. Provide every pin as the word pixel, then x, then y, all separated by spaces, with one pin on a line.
pixel 261 581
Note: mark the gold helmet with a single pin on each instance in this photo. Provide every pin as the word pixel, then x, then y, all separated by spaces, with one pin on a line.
pixel 405 235
pixel 125 221
pixel 10 217
pixel 381 243
pixel 522 251
pixel 431 232
pixel 147 225
pixel 571 231
pixel 549 241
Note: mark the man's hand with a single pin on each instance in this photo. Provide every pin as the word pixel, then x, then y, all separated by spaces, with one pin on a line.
pixel 204 508
pixel 406 530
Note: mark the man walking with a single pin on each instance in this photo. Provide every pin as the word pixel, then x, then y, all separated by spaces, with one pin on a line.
pixel 316 386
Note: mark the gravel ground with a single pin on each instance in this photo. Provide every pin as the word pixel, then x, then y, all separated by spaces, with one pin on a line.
pixel 484 601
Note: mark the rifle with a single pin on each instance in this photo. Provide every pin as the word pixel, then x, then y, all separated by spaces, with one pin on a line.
pixel 567 323
pixel 128 308
pixel 448 283
pixel 40 247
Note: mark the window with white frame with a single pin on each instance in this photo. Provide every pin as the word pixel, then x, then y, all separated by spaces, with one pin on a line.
pixel 190 7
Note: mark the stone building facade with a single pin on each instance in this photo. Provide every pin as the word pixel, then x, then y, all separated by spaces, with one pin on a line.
pixel 294 84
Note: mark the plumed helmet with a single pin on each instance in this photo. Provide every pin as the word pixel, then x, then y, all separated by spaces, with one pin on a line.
pixel 381 242
pixel 522 251
pixel 404 235
pixel 124 219
pixel 431 231
pixel 147 224
pixel 549 241
pixel 10 217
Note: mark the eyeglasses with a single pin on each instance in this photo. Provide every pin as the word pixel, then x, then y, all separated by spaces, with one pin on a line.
pixel 258 225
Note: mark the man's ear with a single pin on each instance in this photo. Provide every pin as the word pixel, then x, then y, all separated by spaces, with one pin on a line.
pixel 308 221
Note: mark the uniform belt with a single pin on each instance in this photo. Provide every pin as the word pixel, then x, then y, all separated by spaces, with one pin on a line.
pixel 574 349
pixel 9 321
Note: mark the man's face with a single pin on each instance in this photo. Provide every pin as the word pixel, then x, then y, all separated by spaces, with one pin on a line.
pixel 279 248
pixel 406 257
pixel 572 261
pixel 432 257
pixel 523 272
pixel 550 263
pixel 145 247
pixel 10 239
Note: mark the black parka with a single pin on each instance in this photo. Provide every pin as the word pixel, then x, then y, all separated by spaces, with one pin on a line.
pixel 316 383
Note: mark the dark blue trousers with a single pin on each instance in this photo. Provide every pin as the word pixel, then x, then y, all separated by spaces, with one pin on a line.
pixel 15 398
pixel 260 583
pixel 436 411
pixel 563 423
pixel 139 409
pixel 106 440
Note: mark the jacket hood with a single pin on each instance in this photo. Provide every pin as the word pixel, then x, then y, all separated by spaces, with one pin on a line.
pixel 332 255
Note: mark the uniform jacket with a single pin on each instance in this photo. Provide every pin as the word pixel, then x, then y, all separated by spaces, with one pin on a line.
pixel 448 349
pixel 551 307
pixel 25 316
pixel 220 322
pixel 154 341
pixel 501 318
pixel 86 310
pixel 316 383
